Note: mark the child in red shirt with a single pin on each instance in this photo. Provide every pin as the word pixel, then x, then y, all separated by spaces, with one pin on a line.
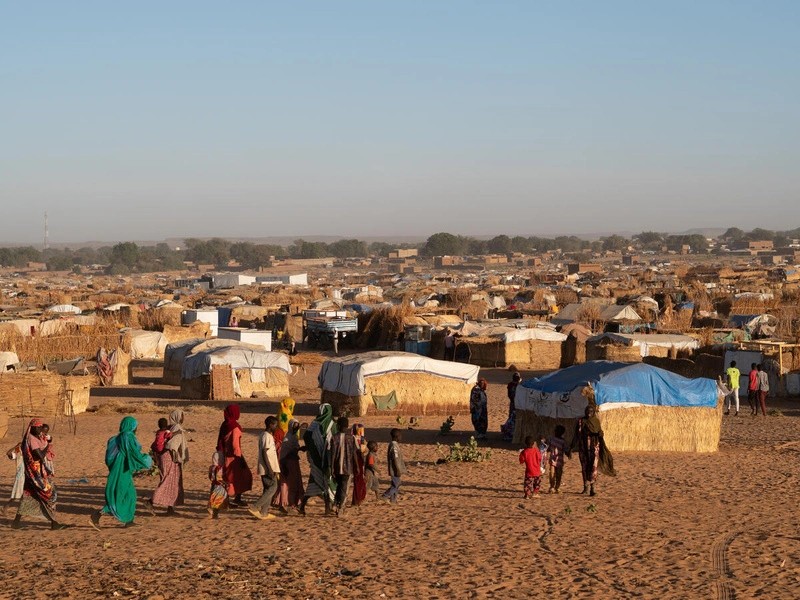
pixel 163 434
pixel 531 457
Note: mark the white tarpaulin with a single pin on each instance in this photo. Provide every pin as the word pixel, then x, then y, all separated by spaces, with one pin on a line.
pixel 347 375
pixel 645 341
pixel 537 333
pixel 511 334
pixel 7 359
pixel 54 327
pixel 25 327
pixel 64 308
pixel 238 357
pixel 147 344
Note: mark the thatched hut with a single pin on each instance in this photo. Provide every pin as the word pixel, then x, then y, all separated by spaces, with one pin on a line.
pixel 573 351
pixel 44 394
pixel 632 347
pixel 252 371
pixel 145 344
pixel 641 407
pixel 396 383
pixel 174 354
pixel 535 349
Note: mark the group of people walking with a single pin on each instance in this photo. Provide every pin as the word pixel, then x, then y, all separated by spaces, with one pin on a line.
pixel 757 389
pixel 340 457
pixel 547 455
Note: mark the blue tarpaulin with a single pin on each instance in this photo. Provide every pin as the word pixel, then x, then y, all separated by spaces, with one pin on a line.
pixel 566 380
pixel 624 382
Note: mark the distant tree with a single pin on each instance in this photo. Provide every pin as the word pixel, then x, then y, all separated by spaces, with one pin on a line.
pixel 302 249
pixel 348 248
pixel 615 243
pixel 733 234
pixel 253 256
pixel 441 244
pixel 650 240
pixel 760 234
pixel 61 261
pixel 476 247
pixel 571 243
pixel 521 244
pixel 380 248
pixel 781 240
pixel 500 244
pixel 125 253
pixel 215 251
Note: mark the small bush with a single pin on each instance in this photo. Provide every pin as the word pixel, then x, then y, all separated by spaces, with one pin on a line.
pixel 468 453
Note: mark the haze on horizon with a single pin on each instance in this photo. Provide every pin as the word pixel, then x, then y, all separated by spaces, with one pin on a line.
pixel 154 120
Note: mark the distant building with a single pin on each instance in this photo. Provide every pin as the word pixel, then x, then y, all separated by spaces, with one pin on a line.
pixel 440 262
pixel 761 246
pixel 631 259
pixel 297 279
pixel 404 253
pixel 577 268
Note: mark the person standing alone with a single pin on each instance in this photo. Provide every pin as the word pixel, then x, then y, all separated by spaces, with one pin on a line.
pixel 479 409
pixel 733 375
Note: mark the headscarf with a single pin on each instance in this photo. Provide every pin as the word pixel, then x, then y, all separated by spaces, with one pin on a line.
pixel 591 422
pixel 177 444
pixel 230 423
pixel 37 482
pixel 124 457
pixel 482 383
pixel 285 413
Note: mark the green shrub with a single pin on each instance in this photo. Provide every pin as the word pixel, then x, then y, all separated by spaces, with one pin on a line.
pixel 467 453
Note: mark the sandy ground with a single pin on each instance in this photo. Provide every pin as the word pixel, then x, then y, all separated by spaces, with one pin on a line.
pixel 668 526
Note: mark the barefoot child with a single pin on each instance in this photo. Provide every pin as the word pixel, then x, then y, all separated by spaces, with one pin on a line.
pixel 218 498
pixel 531 457
pixel 555 468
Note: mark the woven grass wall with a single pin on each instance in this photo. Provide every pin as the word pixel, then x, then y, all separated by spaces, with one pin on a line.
pixel 417 394
pixel 534 355
pixel 573 352
pixel 41 350
pixel 179 333
pixel 122 374
pixel 155 319
pixel 43 394
pixel 641 428
pixel 662 428
pixel 485 351
pixel 275 384
pixel 616 352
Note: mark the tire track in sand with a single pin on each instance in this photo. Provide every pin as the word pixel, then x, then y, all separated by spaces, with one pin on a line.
pixel 722 568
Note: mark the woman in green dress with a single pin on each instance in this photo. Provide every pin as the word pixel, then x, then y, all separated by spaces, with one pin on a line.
pixel 124 457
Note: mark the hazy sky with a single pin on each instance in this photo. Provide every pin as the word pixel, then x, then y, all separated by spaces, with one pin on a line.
pixel 367 118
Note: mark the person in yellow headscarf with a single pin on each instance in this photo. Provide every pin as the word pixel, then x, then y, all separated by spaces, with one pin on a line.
pixel 285 414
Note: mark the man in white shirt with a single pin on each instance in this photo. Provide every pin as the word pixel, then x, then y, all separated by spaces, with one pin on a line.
pixel 268 469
